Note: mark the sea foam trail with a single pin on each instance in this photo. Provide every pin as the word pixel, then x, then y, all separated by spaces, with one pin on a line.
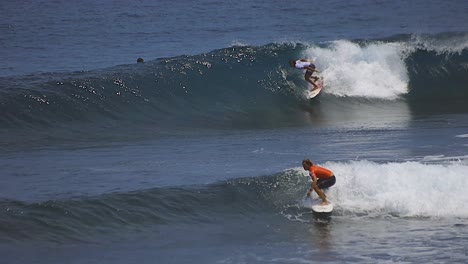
pixel 403 189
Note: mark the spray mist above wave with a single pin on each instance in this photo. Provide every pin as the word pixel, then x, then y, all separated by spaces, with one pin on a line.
pixel 376 70
pixel 413 66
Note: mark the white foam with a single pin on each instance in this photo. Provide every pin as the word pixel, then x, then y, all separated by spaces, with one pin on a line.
pixel 376 70
pixel 404 189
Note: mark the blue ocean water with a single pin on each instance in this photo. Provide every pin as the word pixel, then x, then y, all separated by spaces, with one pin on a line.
pixel 194 155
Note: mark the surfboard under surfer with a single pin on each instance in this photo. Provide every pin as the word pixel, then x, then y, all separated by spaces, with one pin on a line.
pixel 310 69
pixel 321 179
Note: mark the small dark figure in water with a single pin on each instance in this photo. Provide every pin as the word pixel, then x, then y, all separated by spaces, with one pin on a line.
pixel 140 60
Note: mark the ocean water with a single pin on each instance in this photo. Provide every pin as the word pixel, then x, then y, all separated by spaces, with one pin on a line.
pixel 195 155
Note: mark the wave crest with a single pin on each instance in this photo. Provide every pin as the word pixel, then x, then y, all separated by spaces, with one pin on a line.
pixel 241 86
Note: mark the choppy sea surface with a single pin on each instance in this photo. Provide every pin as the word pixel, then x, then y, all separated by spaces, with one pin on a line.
pixel 194 156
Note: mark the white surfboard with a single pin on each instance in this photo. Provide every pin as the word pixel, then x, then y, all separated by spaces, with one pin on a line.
pixel 311 94
pixel 322 208
pixel 316 207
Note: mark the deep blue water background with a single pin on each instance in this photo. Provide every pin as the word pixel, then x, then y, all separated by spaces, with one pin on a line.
pixel 45 36
pixel 194 155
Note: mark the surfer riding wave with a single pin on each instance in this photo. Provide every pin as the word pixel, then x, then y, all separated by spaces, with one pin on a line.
pixel 321 179
pixel 310 69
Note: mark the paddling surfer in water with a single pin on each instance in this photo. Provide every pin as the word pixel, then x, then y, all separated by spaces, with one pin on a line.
pixel 310 69
pixel 321 179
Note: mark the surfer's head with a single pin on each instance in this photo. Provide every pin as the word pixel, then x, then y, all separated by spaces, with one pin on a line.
pixel 140 60
pixel 306 164
pixel 292 63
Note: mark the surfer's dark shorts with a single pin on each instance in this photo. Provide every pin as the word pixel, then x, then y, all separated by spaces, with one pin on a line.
pixel 311 66
pixel 325 183
pixel 308 73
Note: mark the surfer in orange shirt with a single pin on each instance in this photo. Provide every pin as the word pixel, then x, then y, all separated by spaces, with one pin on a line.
pixel 321 179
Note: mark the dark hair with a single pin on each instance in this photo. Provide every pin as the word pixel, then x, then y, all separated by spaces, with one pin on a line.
pixel 292 62
pixel 307 162
pixel 140 60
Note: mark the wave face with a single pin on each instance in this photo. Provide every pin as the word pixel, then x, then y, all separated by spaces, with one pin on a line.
pixel 240 86
pixel 403 189
pixel 79 219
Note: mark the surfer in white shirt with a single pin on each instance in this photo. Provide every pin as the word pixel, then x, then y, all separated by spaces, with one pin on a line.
pixel 310 69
